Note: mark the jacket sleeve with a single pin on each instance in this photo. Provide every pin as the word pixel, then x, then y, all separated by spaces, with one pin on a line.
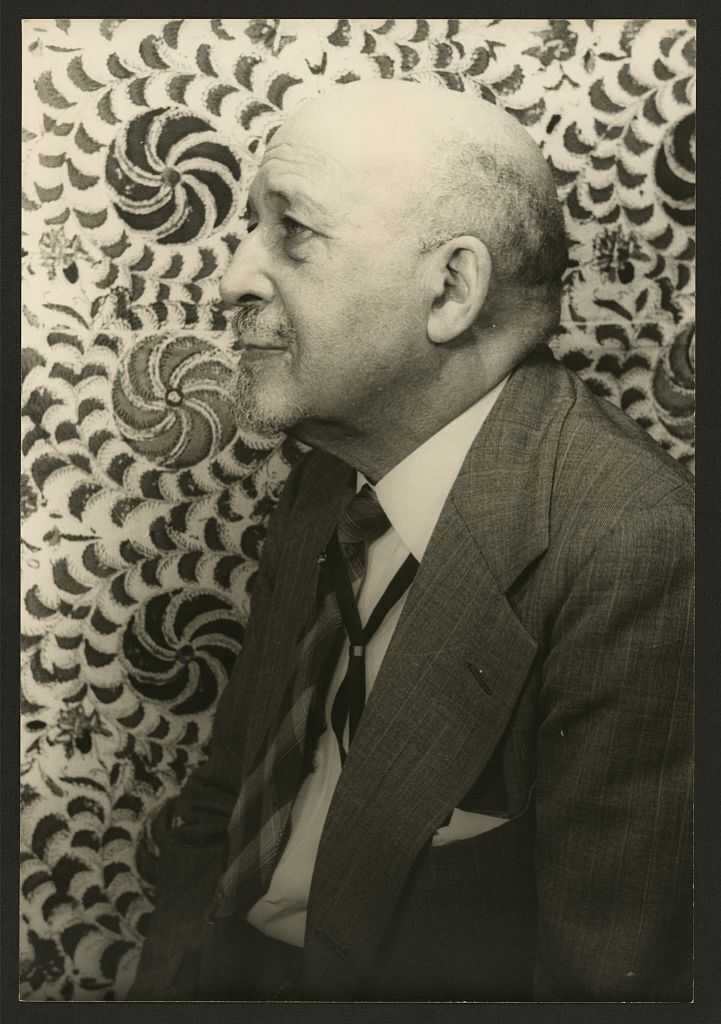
pixel 614 764
pixel 190 831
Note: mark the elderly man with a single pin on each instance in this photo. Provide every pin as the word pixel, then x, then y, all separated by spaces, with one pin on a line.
pixel 454 759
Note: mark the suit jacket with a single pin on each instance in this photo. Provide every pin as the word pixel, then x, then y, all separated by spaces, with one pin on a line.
pixel 540 671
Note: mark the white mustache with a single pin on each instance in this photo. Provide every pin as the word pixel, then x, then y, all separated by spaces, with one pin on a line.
pixel 250 332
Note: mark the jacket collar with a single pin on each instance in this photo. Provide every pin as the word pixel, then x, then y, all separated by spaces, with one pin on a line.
pixel 503 489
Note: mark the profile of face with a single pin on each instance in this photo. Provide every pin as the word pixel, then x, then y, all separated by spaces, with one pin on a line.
pixel 325 287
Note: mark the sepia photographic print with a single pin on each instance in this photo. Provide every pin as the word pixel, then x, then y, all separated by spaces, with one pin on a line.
pixel 357 444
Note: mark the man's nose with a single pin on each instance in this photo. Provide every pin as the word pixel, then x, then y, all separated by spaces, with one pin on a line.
pixel 246 278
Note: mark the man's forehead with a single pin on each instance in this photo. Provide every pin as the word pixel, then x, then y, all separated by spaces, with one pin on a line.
pixel 289 148
pixel 293 167
pixel 346 174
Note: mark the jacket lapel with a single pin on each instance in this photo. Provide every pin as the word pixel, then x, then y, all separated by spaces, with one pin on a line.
pixel 313 519
pixel 449 682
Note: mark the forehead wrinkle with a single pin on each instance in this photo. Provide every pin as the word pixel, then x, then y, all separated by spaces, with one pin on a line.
pixel 294 172
pixel 300 159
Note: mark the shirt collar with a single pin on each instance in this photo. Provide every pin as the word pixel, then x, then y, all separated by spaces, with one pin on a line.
pixel 413 493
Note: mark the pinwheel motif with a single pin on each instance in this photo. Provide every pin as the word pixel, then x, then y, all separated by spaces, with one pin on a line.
pixel 172 179
pixel 674 384
pixel 172 400
pixel 675 170
pixel 179 649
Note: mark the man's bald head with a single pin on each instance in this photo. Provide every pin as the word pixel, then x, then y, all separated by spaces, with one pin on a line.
pixel 451 164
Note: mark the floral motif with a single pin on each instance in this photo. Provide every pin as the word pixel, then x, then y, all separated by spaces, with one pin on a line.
pixel 615 252
pixel 28 496
pixel 60 253
pixel 74 730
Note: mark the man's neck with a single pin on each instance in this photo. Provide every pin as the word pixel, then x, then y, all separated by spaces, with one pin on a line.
pixel 381 442
pixel 371 453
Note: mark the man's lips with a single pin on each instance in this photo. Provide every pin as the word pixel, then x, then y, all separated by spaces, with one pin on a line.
pixel 263 348
pixel 260 353
pixel 253 347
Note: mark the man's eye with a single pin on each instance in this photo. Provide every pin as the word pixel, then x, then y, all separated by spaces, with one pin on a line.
pixel 294 229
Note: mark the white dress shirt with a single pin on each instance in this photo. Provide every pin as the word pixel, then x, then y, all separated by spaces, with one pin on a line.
pixel 412 495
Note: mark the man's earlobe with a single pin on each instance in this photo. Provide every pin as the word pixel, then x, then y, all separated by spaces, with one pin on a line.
pixel 463 273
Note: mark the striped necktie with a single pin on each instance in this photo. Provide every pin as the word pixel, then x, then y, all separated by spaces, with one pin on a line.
pixel 260 822
pixel 362 522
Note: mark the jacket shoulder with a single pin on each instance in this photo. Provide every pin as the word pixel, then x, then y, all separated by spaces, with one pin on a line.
pixel 608 464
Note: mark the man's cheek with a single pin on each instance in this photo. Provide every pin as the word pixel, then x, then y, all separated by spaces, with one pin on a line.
pixel 364 315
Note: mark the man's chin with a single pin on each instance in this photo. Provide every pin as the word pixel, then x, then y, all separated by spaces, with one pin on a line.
pixel 266 415
pixel 268 424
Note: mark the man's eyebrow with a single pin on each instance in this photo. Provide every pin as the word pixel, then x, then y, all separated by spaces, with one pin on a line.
pixel 299 196
pixel 277 193
pixel 289 199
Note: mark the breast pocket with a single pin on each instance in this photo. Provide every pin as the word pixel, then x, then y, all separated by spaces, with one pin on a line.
pixel 500 853
pixel 465 825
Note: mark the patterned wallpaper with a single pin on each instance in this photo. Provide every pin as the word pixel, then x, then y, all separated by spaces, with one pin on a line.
pixel 143 507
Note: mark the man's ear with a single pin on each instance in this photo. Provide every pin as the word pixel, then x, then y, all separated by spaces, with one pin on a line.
pixel 459 276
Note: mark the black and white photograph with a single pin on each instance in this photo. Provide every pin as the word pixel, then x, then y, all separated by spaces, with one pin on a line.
pixel 357 510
